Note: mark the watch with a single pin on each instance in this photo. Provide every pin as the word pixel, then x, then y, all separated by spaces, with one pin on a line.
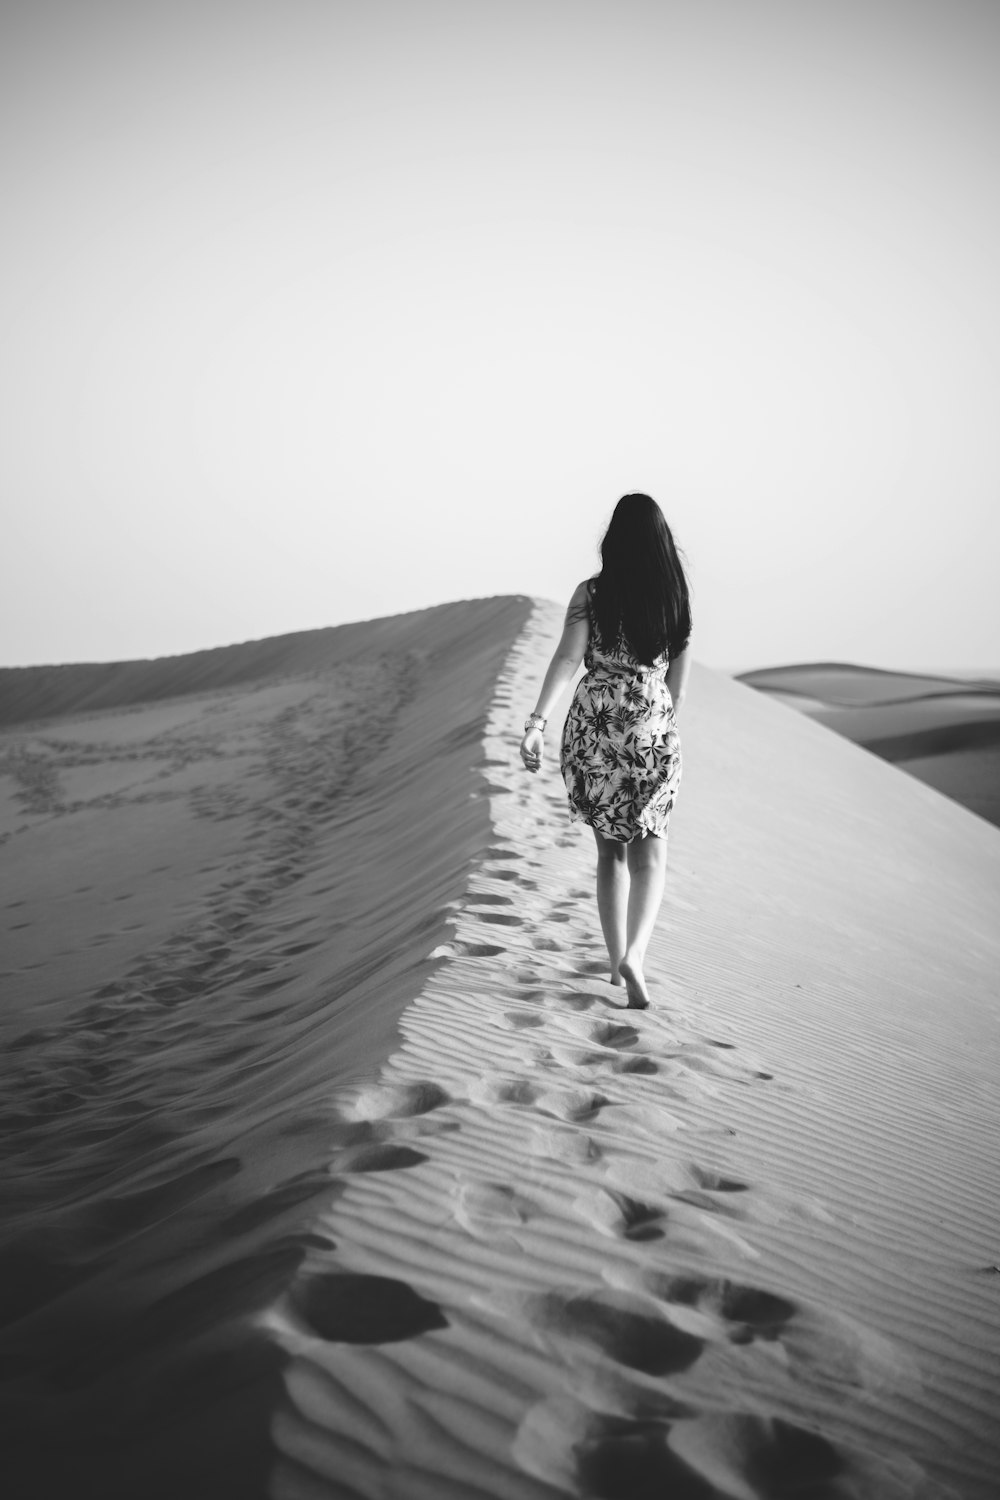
pixel 534 721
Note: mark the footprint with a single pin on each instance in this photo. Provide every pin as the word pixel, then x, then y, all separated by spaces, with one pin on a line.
pixel 680 1181
pixel 712 1182
pixel 574 1147
pixel 355 1309
pixel 475 950
pixel 740 1454
pixel 619 1215
pixel 620 1457
pixel 483 1209
pixel 592 966
pixel 397 1101
pixel 548 945
pixel 487 898
pixel 750 1312
pixel 520 1020
pixel 578 1450
pixel 499 918
pixel 612 1034
pixel 576 1056
pixel 618 1325
pixel 570 1104
pixel 576 1000
pixel 502 1091
pixel 705 1458
pixel 380 1158
pixel 644 1065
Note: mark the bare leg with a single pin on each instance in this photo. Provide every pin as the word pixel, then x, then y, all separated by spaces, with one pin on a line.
pixel 647 863
pixel 612 898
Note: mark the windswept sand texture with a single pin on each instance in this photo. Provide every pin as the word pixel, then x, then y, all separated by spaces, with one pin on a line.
pixel 741 1245
pixel 214 907
pixel 945 731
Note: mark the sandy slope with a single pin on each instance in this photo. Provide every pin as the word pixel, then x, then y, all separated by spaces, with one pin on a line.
pixel 214 907
pixel 944 731
pixel 740 1245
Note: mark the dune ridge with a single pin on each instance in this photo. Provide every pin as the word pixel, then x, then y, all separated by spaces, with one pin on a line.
pixel 851 686
pixel 738 1245
pixel 358 1181
pixel 34 693
pixel 943 731
pixel 215 907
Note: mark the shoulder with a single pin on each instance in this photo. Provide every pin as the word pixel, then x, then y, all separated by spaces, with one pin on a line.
pixel 579 604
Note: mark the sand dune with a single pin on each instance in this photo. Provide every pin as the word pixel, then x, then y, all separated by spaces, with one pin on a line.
pixel 344 1173
pixel 851 686
pixel 739 1245
pixel 214 908
pixel 944 731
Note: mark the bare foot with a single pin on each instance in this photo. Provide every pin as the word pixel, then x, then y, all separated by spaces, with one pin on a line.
pixel 635 984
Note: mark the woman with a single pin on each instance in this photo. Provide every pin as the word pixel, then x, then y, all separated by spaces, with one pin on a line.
pixel 621 754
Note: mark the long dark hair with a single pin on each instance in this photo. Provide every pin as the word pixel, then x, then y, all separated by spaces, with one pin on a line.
pixel 641 597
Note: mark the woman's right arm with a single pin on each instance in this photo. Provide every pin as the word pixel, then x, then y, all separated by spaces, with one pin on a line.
pixel 678 673
pixel 562 668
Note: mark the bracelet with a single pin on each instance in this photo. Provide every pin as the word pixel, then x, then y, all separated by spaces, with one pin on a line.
pixel 534 721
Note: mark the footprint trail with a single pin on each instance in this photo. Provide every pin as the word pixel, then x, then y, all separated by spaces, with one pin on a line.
pixel 541 1279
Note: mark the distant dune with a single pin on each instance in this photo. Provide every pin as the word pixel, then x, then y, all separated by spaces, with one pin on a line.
pixel 943 730
pixel 334 1167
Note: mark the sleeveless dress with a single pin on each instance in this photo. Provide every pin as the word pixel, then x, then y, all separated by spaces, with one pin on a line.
pixel 621 753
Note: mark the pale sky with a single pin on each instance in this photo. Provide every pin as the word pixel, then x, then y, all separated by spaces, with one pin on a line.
pixel 313 311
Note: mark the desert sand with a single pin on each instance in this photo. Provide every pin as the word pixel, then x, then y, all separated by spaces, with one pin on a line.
pixel 335 1167
pixel 945 731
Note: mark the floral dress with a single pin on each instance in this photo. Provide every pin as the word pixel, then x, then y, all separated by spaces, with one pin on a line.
pixel 621 753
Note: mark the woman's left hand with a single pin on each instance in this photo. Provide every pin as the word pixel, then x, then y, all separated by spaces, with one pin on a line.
pixel 532 749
